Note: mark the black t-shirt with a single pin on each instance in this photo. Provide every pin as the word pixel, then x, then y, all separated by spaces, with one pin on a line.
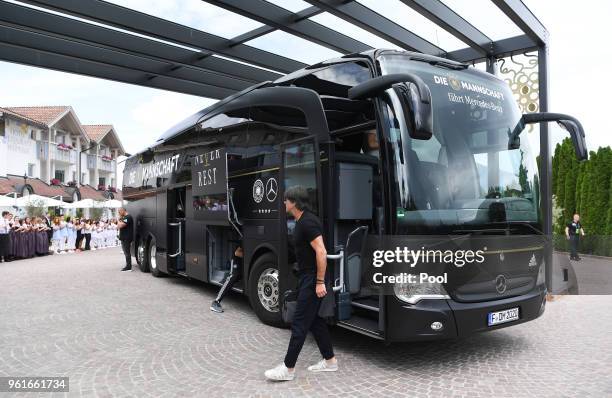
pixel 307 228
pixel 574 228
pixel 127 232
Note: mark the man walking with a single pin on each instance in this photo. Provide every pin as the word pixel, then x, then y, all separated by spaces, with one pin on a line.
pixel 312 261
pixel 573 230
pixel 126 236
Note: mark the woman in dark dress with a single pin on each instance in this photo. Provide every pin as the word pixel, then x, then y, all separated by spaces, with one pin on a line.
pixel 78 225
pixel 40 232
pixel 30 239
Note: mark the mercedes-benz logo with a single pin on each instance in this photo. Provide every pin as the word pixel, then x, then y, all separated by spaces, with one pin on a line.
pixel 271 189
pixel 500 284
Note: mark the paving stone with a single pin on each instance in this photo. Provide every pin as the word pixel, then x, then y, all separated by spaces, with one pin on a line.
pixel 121 334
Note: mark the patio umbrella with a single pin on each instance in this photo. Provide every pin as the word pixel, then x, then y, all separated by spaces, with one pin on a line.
pixel 6 201
pixel 84 204
pixel 37 200
pixel 112 204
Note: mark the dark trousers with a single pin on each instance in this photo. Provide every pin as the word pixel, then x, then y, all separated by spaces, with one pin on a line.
pixel 125 246
pixel 79 240
pixel 87 241
pixel 306 318
pixel 574 240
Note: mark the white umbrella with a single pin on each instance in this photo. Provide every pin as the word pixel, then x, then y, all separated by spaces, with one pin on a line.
pixel 112 204
pixel 6 201
pixel 84 204
pixel 37 200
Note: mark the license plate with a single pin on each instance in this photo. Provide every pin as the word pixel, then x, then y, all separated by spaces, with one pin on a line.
pixel 497 317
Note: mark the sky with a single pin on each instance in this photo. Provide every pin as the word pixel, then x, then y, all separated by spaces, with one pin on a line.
pixel 578 58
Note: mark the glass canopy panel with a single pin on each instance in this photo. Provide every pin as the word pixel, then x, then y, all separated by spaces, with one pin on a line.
pixel 195 14
pixel 411 20
pixel 291 5
pixel 486 17
pixel 290 46
pixel 357 33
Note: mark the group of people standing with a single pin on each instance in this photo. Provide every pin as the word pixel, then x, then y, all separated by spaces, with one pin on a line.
pixel 28 237
pixel 74 235
pixel 23 238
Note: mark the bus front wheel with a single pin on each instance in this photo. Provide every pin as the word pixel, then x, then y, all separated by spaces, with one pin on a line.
pixel 264 292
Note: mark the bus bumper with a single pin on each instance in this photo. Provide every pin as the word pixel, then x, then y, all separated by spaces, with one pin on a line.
pixel 414 322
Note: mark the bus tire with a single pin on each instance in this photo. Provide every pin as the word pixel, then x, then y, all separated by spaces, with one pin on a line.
pixel 151 252
pixel 264 292
pixel 140 251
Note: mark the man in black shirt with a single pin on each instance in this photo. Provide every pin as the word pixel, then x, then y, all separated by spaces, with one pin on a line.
pixel 126 236
pixel 312 261
pixel 573 230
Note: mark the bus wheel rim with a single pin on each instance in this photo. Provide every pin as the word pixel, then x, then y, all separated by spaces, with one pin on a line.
pixel 267 289
pixel 141 253
pixel 152 260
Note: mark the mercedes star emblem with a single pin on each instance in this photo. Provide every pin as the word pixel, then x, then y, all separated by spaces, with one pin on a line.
pixel 271 189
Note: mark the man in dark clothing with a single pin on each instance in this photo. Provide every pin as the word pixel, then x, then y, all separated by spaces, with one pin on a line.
pixel 573 230
pixel 312 261
pixel 233 276
pixel 126 236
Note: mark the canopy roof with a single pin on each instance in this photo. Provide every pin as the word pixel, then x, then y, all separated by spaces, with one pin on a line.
pixel 213 48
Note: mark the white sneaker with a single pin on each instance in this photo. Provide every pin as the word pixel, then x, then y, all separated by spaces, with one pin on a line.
pixel 280 373
pixel 323 366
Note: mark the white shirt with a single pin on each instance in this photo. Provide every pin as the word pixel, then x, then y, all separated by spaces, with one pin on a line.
pixel 4 226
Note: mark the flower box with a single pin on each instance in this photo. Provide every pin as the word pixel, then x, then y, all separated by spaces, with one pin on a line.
pixel 56 182
pixel 64 147
pixel 107 158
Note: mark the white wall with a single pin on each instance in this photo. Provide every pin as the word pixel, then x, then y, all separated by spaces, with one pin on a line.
pixel 19 148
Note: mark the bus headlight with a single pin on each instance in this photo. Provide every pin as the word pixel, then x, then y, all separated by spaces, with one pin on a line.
pixel 541 274
pixel 412 293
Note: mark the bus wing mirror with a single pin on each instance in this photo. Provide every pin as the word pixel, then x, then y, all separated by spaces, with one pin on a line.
pixel 415 96
pixel 568 123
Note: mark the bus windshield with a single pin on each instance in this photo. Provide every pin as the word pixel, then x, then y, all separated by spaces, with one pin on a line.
pixel 464 178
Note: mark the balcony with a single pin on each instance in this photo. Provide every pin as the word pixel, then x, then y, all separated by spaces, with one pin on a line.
pixel 57 154
pixel 103 165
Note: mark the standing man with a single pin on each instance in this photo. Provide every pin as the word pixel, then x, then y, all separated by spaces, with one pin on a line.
pixel 573 230
pixel 4 236
pixel 49 225
pixel 312 261
pixel 126 236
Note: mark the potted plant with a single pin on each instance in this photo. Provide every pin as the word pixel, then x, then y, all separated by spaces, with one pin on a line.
pixel 56 182
pixel 101 187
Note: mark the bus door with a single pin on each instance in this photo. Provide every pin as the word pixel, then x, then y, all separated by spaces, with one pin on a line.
pixel 176 229
pixel 300 166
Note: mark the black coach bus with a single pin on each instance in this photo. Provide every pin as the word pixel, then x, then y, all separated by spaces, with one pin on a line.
pixel 387 143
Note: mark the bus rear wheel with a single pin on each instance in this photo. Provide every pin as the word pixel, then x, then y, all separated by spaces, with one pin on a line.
pixel 151 253
pixel 141 255
pixel 264 291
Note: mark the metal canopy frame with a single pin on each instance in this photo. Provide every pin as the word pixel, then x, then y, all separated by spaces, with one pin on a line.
pixel 106 40
pixel 100 39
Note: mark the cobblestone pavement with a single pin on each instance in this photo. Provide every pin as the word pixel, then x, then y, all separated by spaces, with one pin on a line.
pixel 129 334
